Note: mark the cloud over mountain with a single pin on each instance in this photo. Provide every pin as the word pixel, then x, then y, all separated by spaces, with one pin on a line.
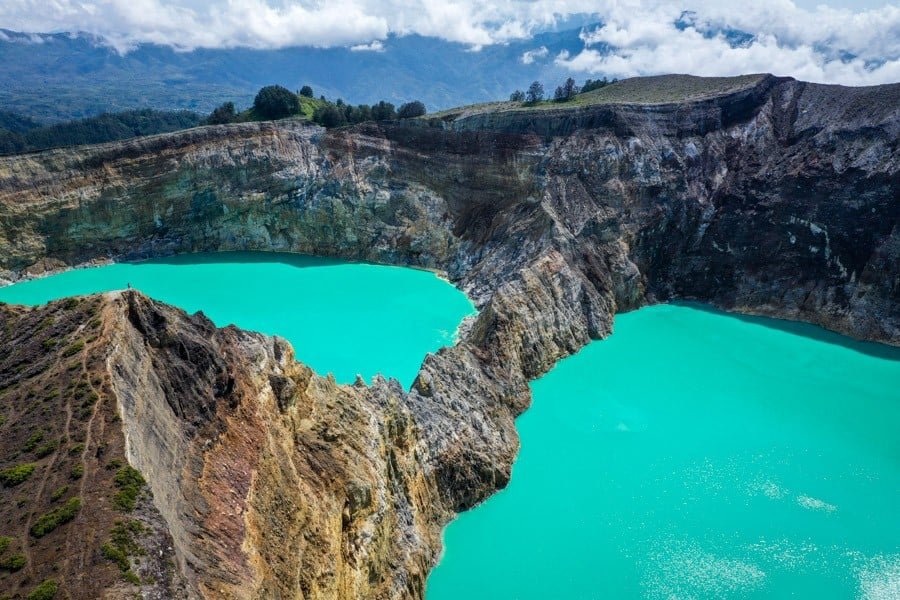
pixel 825 45
pixel 636 37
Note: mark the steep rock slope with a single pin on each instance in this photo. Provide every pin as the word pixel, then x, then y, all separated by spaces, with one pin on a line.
pixel 75 512
pixel 266 479
pixel 780 198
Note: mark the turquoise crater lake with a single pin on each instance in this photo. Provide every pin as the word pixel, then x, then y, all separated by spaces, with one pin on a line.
pixel 696 455
pixel 342 318
pixel 692 454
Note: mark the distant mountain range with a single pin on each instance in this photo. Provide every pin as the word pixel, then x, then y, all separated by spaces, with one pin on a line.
pixel 61 76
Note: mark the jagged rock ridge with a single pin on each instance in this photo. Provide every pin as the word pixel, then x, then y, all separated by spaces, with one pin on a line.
pixel 778 199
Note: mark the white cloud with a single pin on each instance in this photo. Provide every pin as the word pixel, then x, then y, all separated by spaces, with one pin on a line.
pixel 278 23
pixel 375 46
pixel 530 56
pixel 824 45
pixel 839 45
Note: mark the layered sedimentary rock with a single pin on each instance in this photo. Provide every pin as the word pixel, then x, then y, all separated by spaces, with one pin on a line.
pixel 778 198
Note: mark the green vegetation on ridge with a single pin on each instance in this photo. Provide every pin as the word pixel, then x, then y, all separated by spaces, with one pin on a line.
pixel 13 476
pixel 122 546
pixel 130 482
pixel 46 590
pixel 21 134
pixel 16 137
pixel 56 517
pixel 659 89
pixel 277 102
pixel 13 563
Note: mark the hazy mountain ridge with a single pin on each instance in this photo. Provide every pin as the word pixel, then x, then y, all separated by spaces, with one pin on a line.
pixel 53 77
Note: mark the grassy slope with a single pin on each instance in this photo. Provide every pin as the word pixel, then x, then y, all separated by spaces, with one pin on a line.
pixel 307 107
pixel 659 89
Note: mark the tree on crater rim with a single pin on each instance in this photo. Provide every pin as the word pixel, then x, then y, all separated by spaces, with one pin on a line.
pixel 276 102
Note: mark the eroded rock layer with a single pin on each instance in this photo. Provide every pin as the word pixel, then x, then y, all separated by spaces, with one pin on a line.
pixel 780 198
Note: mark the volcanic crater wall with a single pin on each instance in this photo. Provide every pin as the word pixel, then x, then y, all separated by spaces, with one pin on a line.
pixel 779 199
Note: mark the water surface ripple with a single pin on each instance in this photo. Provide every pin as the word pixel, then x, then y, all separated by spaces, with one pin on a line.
pixel 695 454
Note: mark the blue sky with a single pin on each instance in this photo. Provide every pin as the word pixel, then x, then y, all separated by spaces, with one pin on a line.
pixel 832 41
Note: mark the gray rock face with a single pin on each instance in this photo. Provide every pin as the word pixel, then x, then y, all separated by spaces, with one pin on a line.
pixel 779 199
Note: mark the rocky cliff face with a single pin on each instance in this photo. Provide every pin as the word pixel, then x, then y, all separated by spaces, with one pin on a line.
pixel 275 482
pixel 780 198
pixel 263 479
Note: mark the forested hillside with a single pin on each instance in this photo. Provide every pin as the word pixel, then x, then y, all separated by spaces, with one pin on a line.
pixel 21 134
